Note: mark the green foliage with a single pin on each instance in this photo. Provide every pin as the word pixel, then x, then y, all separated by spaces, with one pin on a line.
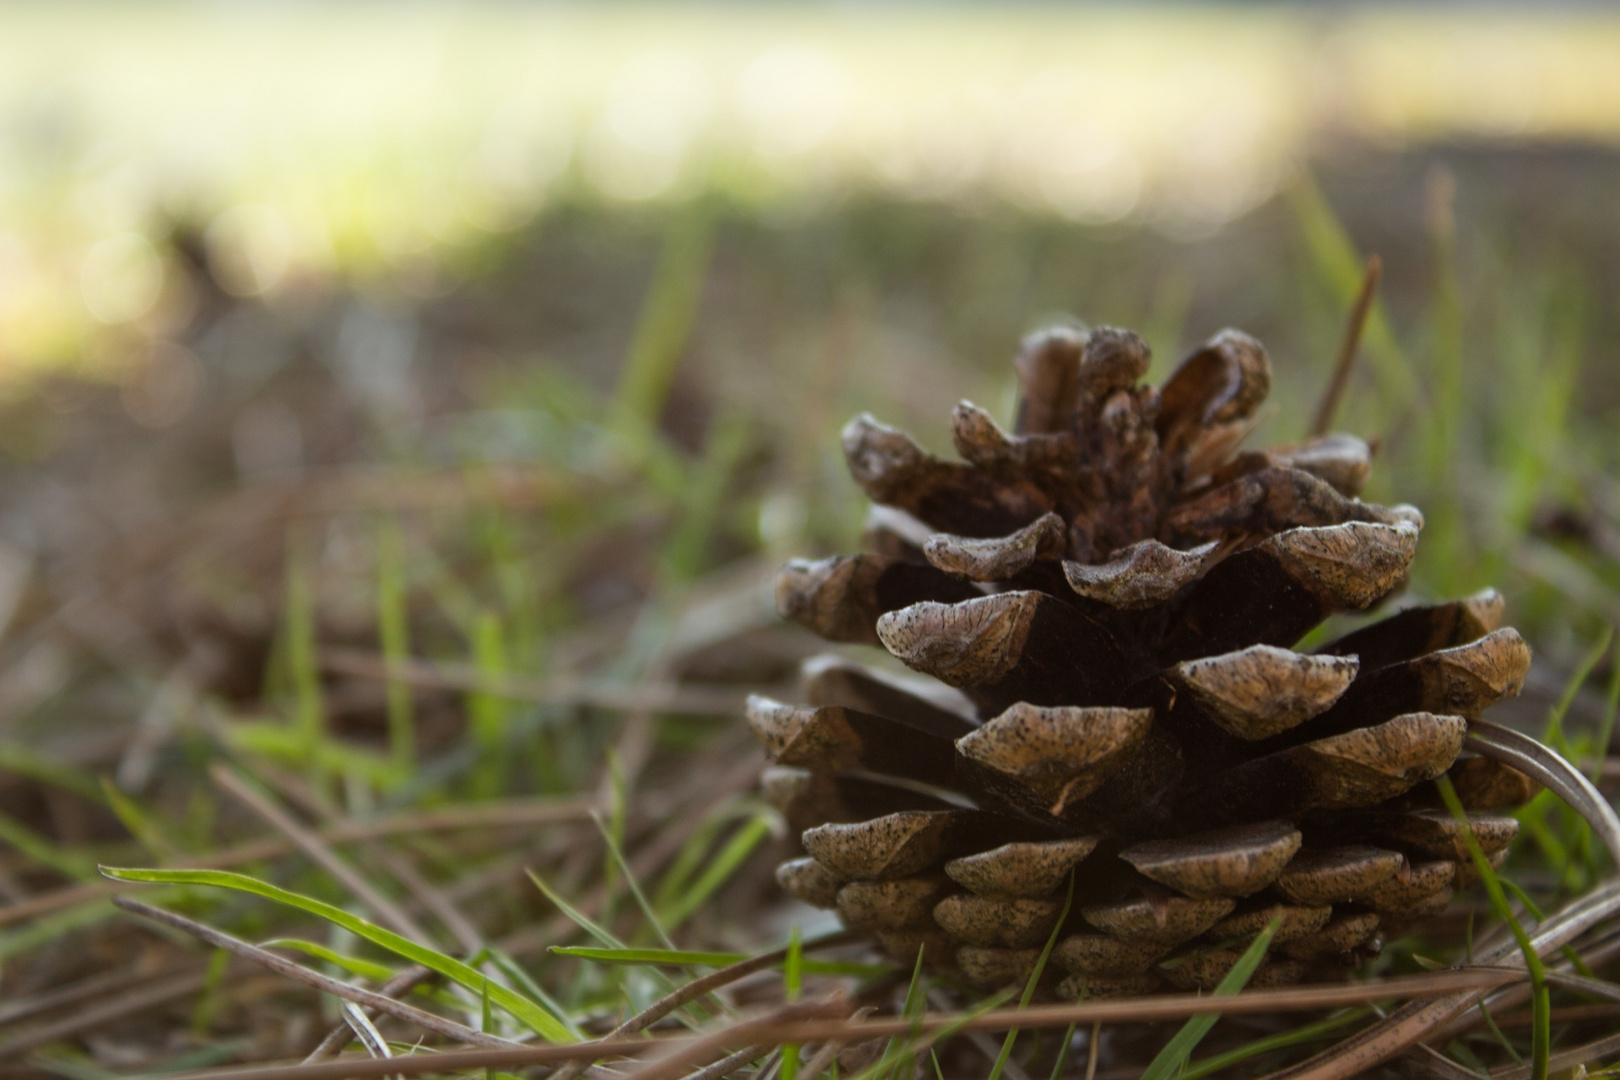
pixel 536 1018
pixel 1173 1058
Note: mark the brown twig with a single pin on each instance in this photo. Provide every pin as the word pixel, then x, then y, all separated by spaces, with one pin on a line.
pixel 74 993
pixel 282 966
pixel 310 843
pixel 1418 1020
pixel 407 980
pixel 678 1058
pixel 1348 347
pixel 699 987
pixel 1160 1007
pixel 95 1016
pixel 726 1064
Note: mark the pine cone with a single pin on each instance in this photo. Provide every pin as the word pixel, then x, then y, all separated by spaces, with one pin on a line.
pixel 1113 593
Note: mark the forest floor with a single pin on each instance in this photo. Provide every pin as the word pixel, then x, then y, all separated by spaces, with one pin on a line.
pixel 431 604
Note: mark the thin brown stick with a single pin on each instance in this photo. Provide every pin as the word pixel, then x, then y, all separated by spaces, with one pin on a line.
pixel 1564 1014
pixel 677 1059
pixel 310 843
pixel 699 987
pixel 433 898
pixel 475 816
pixel 560 690
pixel 282 966
pixel 403 983
pixel 102 1013
pixel 1159 1007
pixel 1092 1050
pixel 95 986
pixel 1564 1059
pixel 726 1064
pixel 1348 347
pixel 831 1048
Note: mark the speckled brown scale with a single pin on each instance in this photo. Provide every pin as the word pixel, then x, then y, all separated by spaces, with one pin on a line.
pixel 1055 756
pixel 998 558
pixel 906 904
pixel 1262 691
pixel 807 737
pixel 1228 862
pixel 1488 784
pixel 1102 603
pixel 903 946
pixel 1293 921
pixel 1010 923
pixel 1341 934
pixel 1104 956
pixel 1468 874
pixel 1141 576
pixel 1335 875
pixel 1437 833
pixel 1414 884
pixel 1157 916
pixel 1104 988
pixel 809 881
pixel 1030 868
pixel 882 849
pixel 990 967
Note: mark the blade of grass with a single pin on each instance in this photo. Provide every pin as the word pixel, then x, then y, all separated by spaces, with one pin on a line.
pixel 1280 1041
pixel 616 859
pixel 1611 709
pixel 1170 1060
pixel 138 822
pixel 691 958
pixel 719 870
pixel 45 851
pixel 393 632
pixel 486 713
pixel 1540 1002
pixel 661 331
pixel 792 986
pixel 540 1021
pixel 365 969
pixel 308 710
pixel 1034 980
pixel 1553 734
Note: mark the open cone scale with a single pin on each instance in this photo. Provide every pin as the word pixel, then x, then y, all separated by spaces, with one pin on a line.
pixel 1110 595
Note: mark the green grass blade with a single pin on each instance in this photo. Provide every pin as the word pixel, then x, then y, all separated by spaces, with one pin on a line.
pixel 486 712
pixel 1540 1001
pixel 1611 709
pixel 365 969
pixel 575 916
pixel 45 851
pixel 719 870
pixel 668 957
pixel 662 330
pixel 393 632
pixel 20 759
pixel 140 824
pixel 617 860
pixel 1034 980
pixel 1281 1041
pixel 792 986
pixel 308 710
pixel 1553 734
pixel 540 1021
pixel 1169 1061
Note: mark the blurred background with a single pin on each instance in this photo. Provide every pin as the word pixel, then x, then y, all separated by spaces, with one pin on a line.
pixel 408 403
